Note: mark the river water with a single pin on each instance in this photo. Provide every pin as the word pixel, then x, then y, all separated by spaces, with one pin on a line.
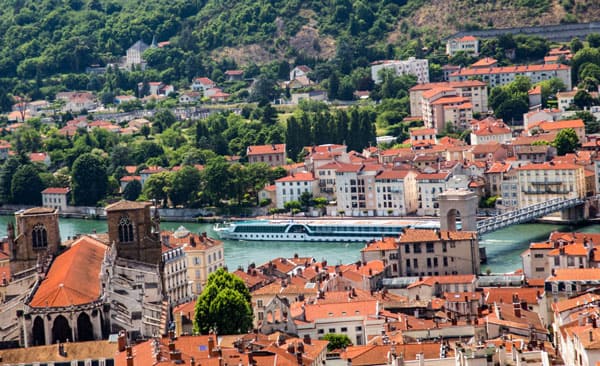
pixel 503 247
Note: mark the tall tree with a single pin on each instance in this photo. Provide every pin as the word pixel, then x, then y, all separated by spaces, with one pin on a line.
pixel 566 141
pixel 7 172
pixel 185 186
pixel 132 190
pixel 27 186
pixel 223 306
pixel 158 186
pixel 90 181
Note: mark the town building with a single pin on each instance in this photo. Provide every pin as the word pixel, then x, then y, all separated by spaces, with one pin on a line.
pixel 291 187
pixel 272 154
pixel 538 183
pixel 496 76
pixel 56 197
pixel 134 55
pixel 396 192
pixel 468 45
pixel 490 130
pixel 443 106
pixel 202 84
pixel 411 66
pixel 429 186
pixel 435 253
pixel 555 126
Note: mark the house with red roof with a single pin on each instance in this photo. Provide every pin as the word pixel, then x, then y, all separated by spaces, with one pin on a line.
pixel 272 154
pixel 292 187
pixel 56 197
pixel 202 84
pixel 40 157
pixel 468 45
pixel 234 75
pixel 555 126
pixel 488 130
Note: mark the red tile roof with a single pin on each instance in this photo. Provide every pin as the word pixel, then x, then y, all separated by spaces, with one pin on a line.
pixel 297 177
pixel 56 190
pixel 575 274
pixel 485 62
pixel 385 244
pixel 392 174
pixel 550 166
pixel 266 149
pixel 575 302
pixel 505 294
pixel 73 278
pixel 510 69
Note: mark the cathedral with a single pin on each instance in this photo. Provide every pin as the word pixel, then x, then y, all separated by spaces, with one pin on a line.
pixel 86 288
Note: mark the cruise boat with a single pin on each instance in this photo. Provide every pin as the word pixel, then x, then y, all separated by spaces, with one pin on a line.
pixel 346 230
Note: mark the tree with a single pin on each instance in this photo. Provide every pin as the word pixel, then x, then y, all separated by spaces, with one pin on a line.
pixel 27 186
pixel 337 341
pixel 592 125
pixel 566 141
pixel 583 99
pixel 575 45
pixel 90 181
pixel 157 187
pixel 334 85
pixel 292 206
pixel 132 190
pixel 593 40
pixel 223 306
pixel 185 186
pixel 7 172
pixel 216 178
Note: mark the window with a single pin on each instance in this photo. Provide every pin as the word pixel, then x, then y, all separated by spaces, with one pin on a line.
pixel 429 247
pixel 415 263
pixel 408 263
pixel 343 329
pixel 320 331
pixel 198 274
pixel 445 261
pixel 538 255
pixel 260 315
pixel 444 247
pixel 125 230
pixel 358 329
pixel 539 269
pixel 331 330
pixel 39 237
pixel 428 262
pixel 406 248
pixel 417 248
pixel 556 261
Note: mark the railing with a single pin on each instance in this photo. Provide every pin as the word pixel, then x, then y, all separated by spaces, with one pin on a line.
pixel 527 214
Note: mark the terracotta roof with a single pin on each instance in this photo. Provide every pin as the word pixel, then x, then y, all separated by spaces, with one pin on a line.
pixel 234 72
pixel 129 178
pixel 297 177
pixel 422 132
pixel 266 149
pixel 543 245
pixel 153 170
pixel 499 168
pixel 509 319
pixel 558 125
pixel 56 190
pixel 73 278
pixel 535 90
pixel 467 39
pixel 485 62
pixel 45 354
pixel 378 354
pixel 431 235
pixel 127 205
pixel 318 311
pixel 549 166
pixel 505 294
pixel 576 249
pixel 575 274
pixel 392 174
pixel 38 157
pixel 510 69
pixel 438 90
pixel 388 243
pixel 450 100
pixel 204 80
pixel 575 302
pixel 433 176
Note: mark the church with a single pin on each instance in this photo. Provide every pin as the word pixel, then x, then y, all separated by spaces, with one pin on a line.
pixel 85 288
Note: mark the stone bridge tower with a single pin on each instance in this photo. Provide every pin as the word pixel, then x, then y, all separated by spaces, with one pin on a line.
pixel 458 203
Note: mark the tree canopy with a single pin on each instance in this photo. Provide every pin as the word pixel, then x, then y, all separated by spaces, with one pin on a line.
pixel 223 306
pixel 90 181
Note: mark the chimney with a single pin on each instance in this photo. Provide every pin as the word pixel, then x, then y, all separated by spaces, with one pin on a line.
pixel 122 341
pixel 129 356
pixel 171 346
pixel 192 241
pixel 591 335
pixel 192 361
pixel 307 339
pixel 299 358
pixel 211 345
pixel 291 349
pixel 594 322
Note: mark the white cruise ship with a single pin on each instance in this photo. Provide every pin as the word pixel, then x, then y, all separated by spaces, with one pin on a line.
pixel 346 230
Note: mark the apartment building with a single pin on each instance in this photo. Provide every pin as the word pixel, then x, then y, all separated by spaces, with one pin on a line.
pixel 556 126
pixel 437 253
pixel 467 44
pixel 396 192
pixel 539 183
pixel 177 286
pixel 356 189
pixel 412 66
pixel 441 106
pixel 496 76
pixel 474 90
pixel 291 187
pixel 429 186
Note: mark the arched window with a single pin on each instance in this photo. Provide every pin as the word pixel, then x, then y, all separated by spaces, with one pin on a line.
pixel 125 230
pixel 39 237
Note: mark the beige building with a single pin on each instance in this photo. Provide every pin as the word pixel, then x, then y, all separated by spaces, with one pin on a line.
pixel 203 256
pixel 273 154
pixel 490 130
pixel 56 197
pixel 539 183
pixel 438 253
pixel 355 186
pixel 476 91
pixel 291 187
pixel 441 106
pixel 429 186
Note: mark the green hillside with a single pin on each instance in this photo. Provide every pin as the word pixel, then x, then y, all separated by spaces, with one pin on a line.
pixel 40 39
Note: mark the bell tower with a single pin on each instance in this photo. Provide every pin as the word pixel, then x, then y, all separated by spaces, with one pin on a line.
pixel 133 231
pixel 37 237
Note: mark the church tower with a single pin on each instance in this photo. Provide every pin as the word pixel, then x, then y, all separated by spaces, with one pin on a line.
pixel 133 231
pixel 37 237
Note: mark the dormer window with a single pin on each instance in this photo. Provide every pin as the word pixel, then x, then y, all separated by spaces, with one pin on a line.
pixel 125 230
pixel 39 237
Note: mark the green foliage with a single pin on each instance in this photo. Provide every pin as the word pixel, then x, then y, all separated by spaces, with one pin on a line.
pixel 90 181
pixel 223 306
pixel 185 186
pixel 7 172
pixel 157 187
pixel 592 125
pixel 511 101
pixel 27 186
pixel 566 141
pixel 337 341
pixel 132 190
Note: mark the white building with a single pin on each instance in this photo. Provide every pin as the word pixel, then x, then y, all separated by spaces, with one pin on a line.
pixel 412 66
pixel 429 186
pixel 467 44
pixel 496 76
pixel 355 186
pixel 290 188
pixel 56 197
pixel 490 130
pixel 539 183
pixel 134 54
pixel 177 286
pixel 396 192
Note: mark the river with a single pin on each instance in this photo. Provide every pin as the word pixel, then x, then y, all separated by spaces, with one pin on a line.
pixel 503 246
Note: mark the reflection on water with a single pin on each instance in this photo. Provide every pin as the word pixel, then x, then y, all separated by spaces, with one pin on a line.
pixel 504 247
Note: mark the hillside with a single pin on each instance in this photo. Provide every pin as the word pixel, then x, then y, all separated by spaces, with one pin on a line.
pixel 40 39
